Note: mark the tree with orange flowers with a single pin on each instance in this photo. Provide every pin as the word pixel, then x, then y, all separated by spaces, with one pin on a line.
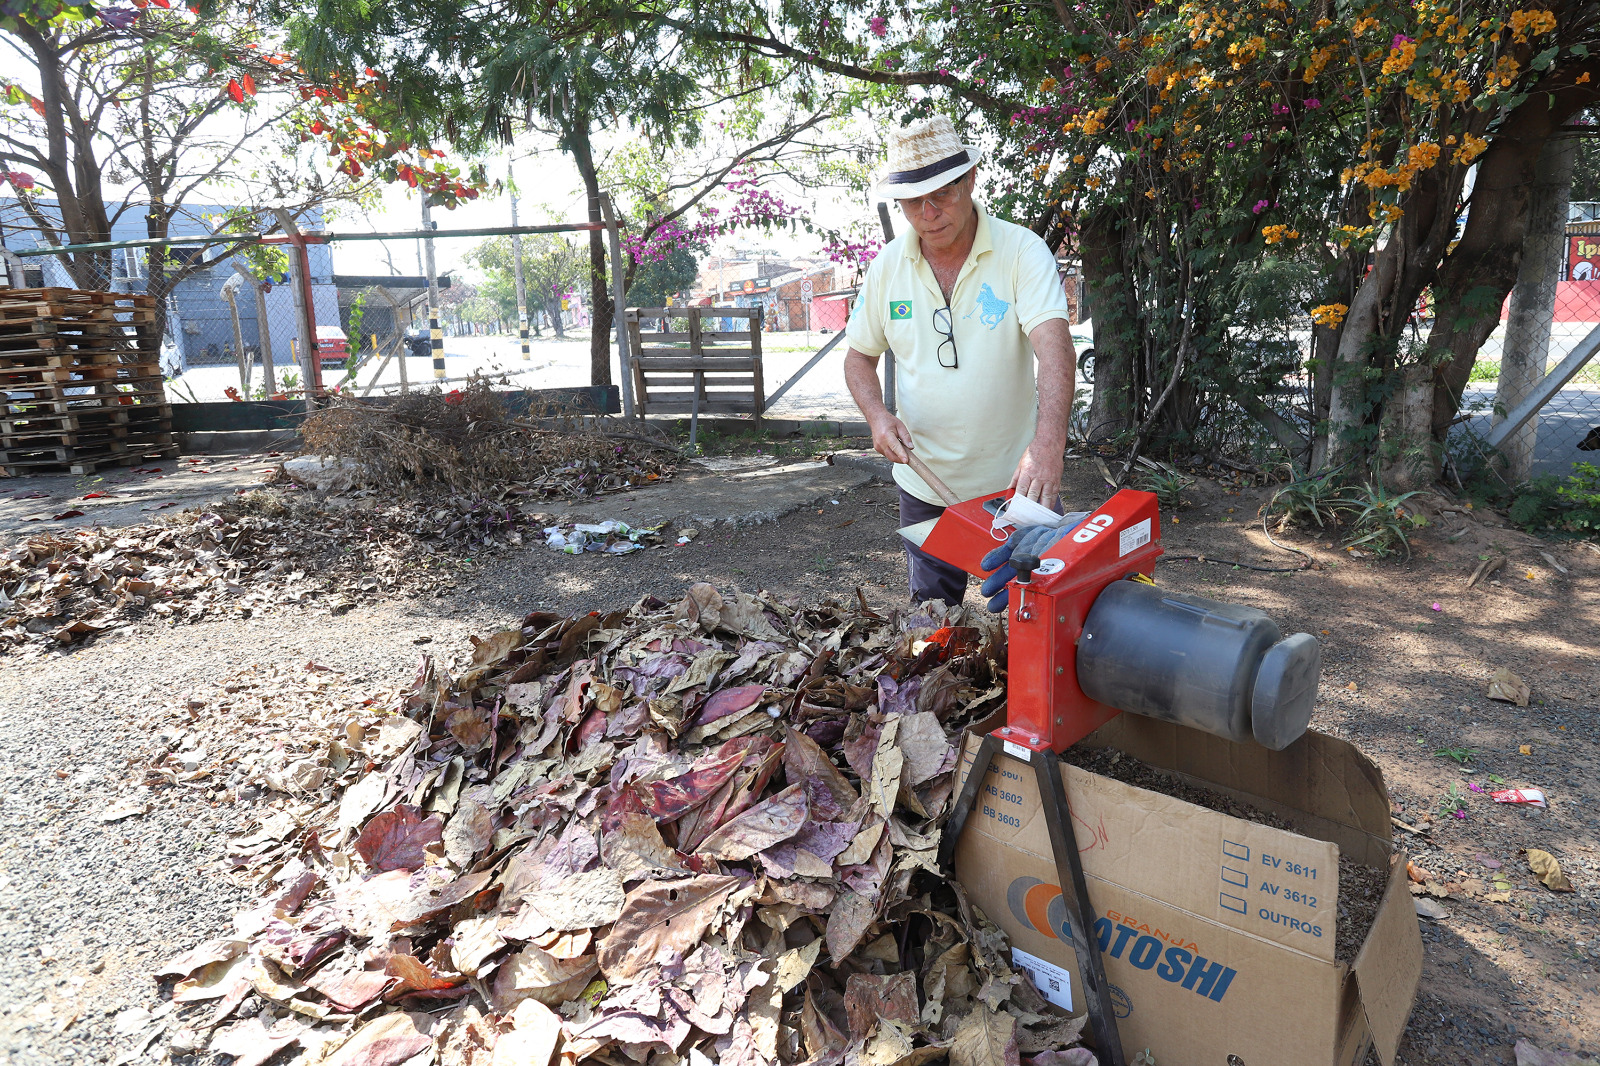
pixel 1226 168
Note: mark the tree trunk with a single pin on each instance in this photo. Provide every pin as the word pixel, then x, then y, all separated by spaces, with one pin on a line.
pixel 73 169
pixel 1410 454
pixel 600 309
pixel 1527 343
pixel 1348 406
pixel 552 306
pixel 1480 270
pixel 1108 289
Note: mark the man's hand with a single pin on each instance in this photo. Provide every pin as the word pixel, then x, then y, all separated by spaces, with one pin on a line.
pixel 1038 475
pixel 891 438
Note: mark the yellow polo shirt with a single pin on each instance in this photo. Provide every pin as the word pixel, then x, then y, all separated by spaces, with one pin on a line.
pixel 971 424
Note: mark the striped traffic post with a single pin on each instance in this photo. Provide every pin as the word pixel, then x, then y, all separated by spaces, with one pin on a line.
pixel 435 334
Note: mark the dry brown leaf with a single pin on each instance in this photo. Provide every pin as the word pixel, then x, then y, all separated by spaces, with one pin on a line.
pixel 1072 1056
pixel 870 999
pixel 635 849
pixel 828 790
pixel 361 799
pixel 350 990
pixel 534 973
pixel 467 833
pixel 213 981
pixel 581 901
pixel 662 915
pixel 475 940
pixel 532 1041
pixel 385 1041
pixel 204 955
pixel 767 823
pixel 888 764
pixel 848 922
pixel 1508 688
pixel 252 1043
pixel 1544 864
pixel 395 840
pixel 926 747
pixel 985 1038
pixel 795 965
pixel 862 847
pixel 821 1036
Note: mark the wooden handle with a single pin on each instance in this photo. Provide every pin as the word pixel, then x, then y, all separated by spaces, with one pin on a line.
pixel 934 481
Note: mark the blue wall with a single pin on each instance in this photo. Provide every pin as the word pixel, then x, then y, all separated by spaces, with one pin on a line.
pixel 198 318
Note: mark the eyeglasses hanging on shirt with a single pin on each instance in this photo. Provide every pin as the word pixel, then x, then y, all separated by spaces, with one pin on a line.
pixel 946 327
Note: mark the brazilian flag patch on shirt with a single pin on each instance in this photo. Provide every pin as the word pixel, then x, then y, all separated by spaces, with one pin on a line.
pixel 899 309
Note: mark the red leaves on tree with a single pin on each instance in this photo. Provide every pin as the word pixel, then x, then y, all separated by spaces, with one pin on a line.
pixel 249 85
pixel 234 89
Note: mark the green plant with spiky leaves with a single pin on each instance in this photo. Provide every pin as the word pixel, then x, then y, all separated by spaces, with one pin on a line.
pixel 1383 526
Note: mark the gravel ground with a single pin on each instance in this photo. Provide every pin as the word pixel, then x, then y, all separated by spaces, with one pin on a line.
pixel 87 908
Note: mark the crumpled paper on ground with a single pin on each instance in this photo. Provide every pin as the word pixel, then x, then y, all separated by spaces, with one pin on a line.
pixel 614 537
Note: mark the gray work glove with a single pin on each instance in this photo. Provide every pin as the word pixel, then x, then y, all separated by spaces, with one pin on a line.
pixel 1030 540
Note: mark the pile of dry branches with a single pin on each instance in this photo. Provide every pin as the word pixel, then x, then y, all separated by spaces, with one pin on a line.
pixel 467 442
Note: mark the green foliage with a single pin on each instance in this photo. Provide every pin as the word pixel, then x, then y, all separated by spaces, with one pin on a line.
pixel 1382 524
pixel 1168 485
pixel 550 264
pixel 266 262
pixel 1484 370
pixel 1318 498
pixel 1462 755
pixel 356 318
pixel 653 282
pixel 1454 803
pixel 1571 504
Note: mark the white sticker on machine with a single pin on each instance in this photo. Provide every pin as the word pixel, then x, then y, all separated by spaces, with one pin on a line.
pixel 1135 536
pixel 1051 980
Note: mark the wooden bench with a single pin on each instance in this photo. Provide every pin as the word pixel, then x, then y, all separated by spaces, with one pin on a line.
pixel 686 369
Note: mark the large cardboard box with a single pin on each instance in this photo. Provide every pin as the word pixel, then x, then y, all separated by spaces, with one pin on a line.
pixel 1217 934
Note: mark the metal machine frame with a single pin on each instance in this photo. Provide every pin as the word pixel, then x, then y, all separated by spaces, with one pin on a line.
pixel 1047 712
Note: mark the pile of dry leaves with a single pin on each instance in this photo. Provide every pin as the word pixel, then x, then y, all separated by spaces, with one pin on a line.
pixel 268 548
pixel 467 441
pixel 703 831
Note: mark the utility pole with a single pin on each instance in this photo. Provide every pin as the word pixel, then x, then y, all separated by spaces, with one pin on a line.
pixel 435 334
pixel 516 259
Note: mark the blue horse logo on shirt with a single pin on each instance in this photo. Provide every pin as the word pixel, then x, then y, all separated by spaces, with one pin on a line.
pixel 992 307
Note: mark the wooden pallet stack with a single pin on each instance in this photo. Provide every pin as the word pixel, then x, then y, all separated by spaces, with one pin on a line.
pixel 80 377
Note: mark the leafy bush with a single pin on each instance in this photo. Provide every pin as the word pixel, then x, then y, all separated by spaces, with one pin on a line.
pixel 1569 503
pixel 1383 526
pixel 1317 498
pixel 1168 485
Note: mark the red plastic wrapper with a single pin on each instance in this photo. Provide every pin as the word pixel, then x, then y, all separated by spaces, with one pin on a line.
pixel 1530 796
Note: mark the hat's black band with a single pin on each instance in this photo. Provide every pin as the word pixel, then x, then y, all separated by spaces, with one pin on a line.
pixel 932 170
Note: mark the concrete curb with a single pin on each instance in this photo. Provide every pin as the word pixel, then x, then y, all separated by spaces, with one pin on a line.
pixel 869 461
pixel 234 441
pixel 705 501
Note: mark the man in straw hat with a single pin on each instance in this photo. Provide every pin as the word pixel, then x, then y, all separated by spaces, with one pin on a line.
pixel 968 302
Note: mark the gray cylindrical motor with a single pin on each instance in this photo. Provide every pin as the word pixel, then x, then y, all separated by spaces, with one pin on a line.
pixel 1213 666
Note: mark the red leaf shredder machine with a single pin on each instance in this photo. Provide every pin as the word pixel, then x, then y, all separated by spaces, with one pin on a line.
pixel 1091 636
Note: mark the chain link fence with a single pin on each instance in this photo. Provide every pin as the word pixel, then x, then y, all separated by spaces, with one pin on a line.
pixel 231 332
pixel 1521 351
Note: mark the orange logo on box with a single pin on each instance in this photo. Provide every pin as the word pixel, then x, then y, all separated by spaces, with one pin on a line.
pixel 1174 959
pixel 1039 907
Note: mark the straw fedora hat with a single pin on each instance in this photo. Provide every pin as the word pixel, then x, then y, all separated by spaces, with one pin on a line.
pixel 923 156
